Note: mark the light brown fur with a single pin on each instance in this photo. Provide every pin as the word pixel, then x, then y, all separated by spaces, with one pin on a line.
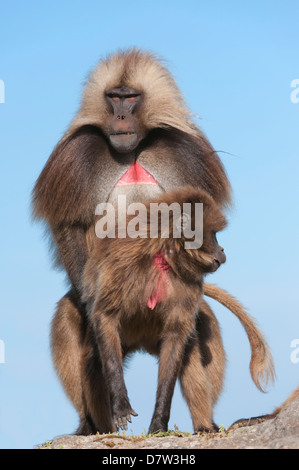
pixel 164 104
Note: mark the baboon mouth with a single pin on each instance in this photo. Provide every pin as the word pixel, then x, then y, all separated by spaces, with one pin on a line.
pixel 213 266
pixel 123 141
pixel 123 133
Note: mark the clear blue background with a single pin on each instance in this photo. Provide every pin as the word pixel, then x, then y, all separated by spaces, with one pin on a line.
pixel 234 61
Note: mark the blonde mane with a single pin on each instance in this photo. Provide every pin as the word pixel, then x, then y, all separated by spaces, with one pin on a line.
pixel 164 105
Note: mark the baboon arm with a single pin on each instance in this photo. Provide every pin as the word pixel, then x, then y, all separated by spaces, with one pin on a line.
pixel 106 328
pixel 72 252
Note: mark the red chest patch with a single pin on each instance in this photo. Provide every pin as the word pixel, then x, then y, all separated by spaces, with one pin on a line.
pixel 160 292
pixel 136 174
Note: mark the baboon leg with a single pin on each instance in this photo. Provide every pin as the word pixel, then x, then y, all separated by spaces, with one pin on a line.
pixel 106 333
pixel 67 335
pixel 173 341
pixel 78 367
pixel 95 392
pixel 211 349
pixel 201 375
pixel 196 388
pixel 168 371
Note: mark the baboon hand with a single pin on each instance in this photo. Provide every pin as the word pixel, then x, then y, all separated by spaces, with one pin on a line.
pixel 121 419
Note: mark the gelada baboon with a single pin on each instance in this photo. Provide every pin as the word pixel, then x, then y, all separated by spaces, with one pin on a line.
pixel 164 280
pixel 132 136
pixel 143 293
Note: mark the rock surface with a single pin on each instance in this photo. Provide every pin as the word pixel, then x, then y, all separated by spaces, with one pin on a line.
pixel 281 432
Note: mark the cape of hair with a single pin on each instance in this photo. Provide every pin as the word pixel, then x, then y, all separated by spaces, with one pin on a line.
pixel 69 187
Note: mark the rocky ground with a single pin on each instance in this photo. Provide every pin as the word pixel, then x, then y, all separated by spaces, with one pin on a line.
pixel 281 432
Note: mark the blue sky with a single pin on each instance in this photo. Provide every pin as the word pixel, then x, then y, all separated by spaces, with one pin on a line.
pixel 234 62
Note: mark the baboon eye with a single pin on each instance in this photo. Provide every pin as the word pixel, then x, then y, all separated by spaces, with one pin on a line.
pixel 113 96
pixel 131 98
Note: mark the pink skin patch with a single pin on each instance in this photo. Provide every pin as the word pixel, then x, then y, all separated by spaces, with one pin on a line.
pixel 136 174
pixel 160 292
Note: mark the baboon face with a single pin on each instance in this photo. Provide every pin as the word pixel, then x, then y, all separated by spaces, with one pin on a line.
pixel 213 222
pixel 124 127
pixel 214 250
pixel 204 254
pixel 194 263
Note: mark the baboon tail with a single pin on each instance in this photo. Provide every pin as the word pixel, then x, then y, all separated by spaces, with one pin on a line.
pixel 261 363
